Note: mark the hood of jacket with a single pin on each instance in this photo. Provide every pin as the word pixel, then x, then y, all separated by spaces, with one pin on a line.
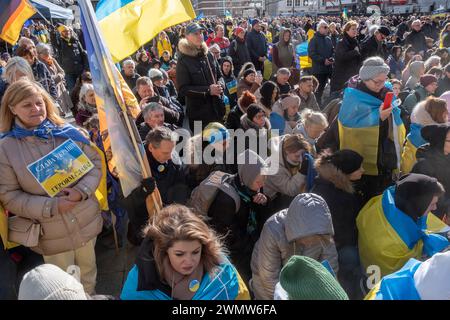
pixel 246 123
pixel 308 215
pixel 328 172
pixel 190 50
pixel 421 116
pixel 148 275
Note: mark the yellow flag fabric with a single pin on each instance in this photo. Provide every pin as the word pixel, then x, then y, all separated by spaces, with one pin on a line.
pixel 13 15
pixel 380 245
pixel 127 25
pixel 408 157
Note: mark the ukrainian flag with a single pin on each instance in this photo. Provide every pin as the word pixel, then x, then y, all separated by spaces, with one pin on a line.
pixel 228 15
pixel 13 14
pixel 127 25
pixel 388 238
pixel 359 124
pixel 397 286
pixel 413 141
pixel 115 102
pixel 344 14
pixel 301 51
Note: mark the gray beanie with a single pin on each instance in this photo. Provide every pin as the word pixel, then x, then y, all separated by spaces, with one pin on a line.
pixel 250 165
pixel 49 282
pixel 372 67
pixel 155 75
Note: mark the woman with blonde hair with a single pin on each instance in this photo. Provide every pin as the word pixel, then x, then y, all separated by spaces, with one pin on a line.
pixel 182 258
pixel 62 219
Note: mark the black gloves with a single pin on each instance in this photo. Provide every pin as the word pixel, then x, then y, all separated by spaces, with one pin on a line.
pixel 305 165
pixel 148 185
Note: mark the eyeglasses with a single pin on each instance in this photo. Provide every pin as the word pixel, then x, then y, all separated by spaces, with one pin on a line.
pixel 325 27
pixel 378 82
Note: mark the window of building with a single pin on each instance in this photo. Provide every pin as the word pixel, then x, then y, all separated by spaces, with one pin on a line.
pixel 289 3
pixel 297 3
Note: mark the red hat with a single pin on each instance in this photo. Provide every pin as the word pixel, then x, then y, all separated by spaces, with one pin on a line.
pixel 238 30
pixel 427 79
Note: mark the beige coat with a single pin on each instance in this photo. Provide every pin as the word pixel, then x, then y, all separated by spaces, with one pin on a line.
pixel 22 195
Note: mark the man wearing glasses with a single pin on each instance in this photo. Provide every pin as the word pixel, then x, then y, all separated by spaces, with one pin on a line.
pixel 416 38
pixel 374 44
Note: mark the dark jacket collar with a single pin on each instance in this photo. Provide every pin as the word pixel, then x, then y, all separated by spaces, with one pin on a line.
pixel 148 275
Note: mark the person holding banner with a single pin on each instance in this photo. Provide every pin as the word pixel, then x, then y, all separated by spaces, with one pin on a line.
pixel 50 176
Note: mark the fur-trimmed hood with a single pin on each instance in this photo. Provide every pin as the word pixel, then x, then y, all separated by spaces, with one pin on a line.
pixel 190 50
pixel 329 172
pixel 421 116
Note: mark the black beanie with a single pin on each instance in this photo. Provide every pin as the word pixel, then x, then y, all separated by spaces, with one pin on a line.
pixel 253 110
pixel 436 135
pixel 348 161
pixel 248 71
pixel 414 192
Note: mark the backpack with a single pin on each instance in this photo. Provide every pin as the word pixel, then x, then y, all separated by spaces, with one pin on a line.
pixel 203 195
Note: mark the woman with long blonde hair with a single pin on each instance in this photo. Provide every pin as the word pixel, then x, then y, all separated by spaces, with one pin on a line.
pixel 182 258
pixel 53 200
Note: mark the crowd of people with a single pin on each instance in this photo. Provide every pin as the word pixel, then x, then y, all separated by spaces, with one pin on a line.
pixel 359 182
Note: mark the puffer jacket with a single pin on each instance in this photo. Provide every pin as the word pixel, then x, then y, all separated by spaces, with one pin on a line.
pixel 337 190
pixel 194 78
pixel 307 216
pixel 22 195
pixel 411 100
pixel 283 181
pixel 72 57
pixel 320 48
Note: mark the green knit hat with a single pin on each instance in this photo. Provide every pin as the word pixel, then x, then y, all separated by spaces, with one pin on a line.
pixel 304 278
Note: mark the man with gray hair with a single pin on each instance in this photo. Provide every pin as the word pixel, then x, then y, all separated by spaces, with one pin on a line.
pixel 281 78
pixel 168 175
pixel 416 38
pixel 129 73
pixel 153 114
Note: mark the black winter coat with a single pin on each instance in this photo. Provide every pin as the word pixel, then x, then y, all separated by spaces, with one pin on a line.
pixel 193 80
pixel 257 46
pixel 234 118
pixel 320 48
pixel 168 182
pixel 72 57
pixel 337 190
pixel 238 51
pixel 227 222
pixel 417 41
pixel 434 163
pixel 370 48
pixel 347 62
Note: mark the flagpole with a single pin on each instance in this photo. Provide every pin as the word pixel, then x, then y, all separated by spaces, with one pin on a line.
pixel 130 126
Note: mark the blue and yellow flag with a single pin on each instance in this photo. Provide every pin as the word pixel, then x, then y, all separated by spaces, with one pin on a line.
pixel 344 14
pixel 13 14
pixel 388 238
pixel 127 25
pixel 413 141
pixel 303 60
pixel 116 104
pixel 359 126
pixel 228 15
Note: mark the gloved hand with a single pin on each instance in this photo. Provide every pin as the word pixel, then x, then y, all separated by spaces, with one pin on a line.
pixel 148 185
pixel 305 165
